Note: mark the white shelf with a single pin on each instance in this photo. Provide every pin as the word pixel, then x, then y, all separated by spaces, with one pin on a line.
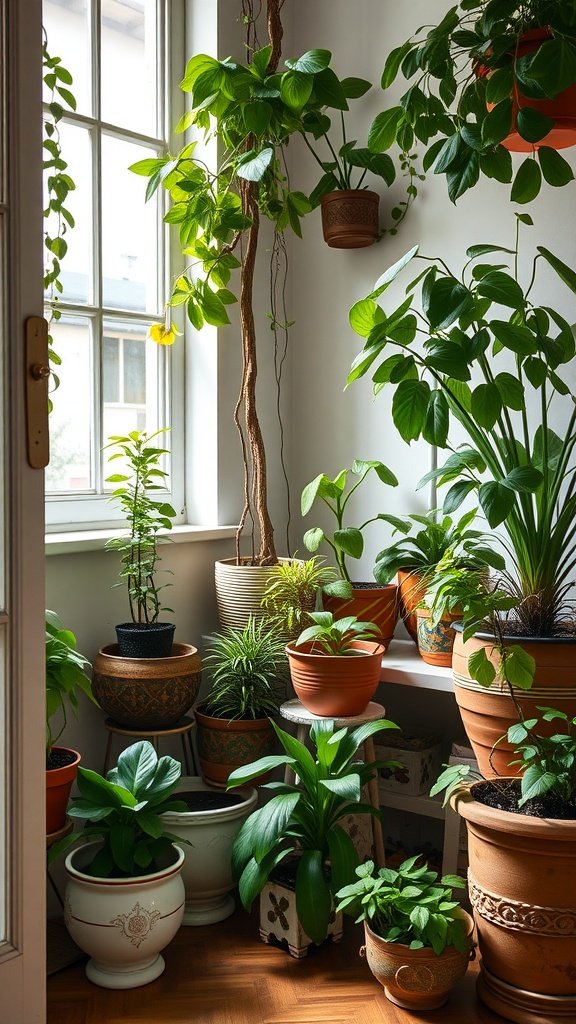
pixel 403 665
pixel 430 807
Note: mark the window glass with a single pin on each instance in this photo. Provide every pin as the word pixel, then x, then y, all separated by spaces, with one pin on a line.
pixel 67 24
pixel 77 265
pixel 132 371
pixel 71 421
pixel 129 64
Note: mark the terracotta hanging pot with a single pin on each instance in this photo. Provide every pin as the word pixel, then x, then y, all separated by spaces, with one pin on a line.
pixel 435 643
pixel 412 590
pixel 336 686
pixel 59 782
pixel 369 603
pixel 487 712
pixel 146 693
pixel 225 744
pixel 350 218
pixel 524 903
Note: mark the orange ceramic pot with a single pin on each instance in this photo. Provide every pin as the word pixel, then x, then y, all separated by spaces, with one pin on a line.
pixel 58 786
pixel 225 744
pixel 487 713
pixel 350 218
pixel 336 686
pixel 412 591
pixel 525 910
pixel 370 603
pixel 435 643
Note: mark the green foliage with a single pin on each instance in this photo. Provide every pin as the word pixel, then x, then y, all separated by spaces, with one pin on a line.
pixel 145 517
pixel 547 763
pixel 462 586
pixel 247 669
pixel 123 810
pixel 306 817
pixel 461 355
pixel 291 592
pixel 409 906
pixel 346 541
pixel 471 62
pixel 336 636
pixel 65 675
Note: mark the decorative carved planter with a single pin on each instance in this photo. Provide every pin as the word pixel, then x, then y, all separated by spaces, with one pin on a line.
pixel 225 744
pixel 279 924
pixel 435 643
pixel 350 218
pixel 146 693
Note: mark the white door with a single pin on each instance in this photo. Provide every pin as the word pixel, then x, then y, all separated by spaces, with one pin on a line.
pixel 22 765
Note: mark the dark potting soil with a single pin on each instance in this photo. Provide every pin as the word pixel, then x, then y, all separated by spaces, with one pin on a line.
pixel 504 796
pixel 59 758
pixel 204 801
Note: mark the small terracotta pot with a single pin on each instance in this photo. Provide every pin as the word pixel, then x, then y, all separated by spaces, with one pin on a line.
pixel 225 744
pixel 146 693
pixel 350 218
pixel 369 603
pixel 435 643
pixel 416 979
pixel 412 590
pixel 335 686
pixel 58 786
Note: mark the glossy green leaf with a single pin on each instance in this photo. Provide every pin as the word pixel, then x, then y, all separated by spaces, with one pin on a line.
pixel 410 408
pixel 527 183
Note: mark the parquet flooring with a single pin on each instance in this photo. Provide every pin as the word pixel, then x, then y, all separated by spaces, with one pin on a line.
pixel 223 974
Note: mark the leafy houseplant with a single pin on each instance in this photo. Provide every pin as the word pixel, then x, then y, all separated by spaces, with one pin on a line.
pixel 306 817
pixel 493 75
pixel 145 635
pixel 106 917
pixel 411 918
pixel 292 592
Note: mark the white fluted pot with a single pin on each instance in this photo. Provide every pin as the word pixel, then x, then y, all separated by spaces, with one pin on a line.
pixel 239 591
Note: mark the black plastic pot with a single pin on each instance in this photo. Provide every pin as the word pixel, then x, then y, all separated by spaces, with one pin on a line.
pixel 145 640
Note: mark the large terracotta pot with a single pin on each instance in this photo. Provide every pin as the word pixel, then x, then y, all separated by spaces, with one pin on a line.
pixel 58 785
pixel 412 591
pixel 336 686
pixel 487 713
pixel 146 693
pixel 370 603
pixel 350 218
pixel 239 591
pixel 225 744
pixel 435 643
pixel 416 979
pixel 521 889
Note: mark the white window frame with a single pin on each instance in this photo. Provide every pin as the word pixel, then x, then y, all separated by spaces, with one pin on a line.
pixel 93 510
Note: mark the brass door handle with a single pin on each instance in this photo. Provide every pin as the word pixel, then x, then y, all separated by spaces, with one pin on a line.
pixel 37 377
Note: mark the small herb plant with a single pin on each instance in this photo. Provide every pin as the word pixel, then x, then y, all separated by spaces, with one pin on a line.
pixel 409 906
pixel 306 817
pixel 346 541
pixel 123 810
pixel 292 590
pixel 336 636
pixel 145 518
pixel 65 675
pixel 247 667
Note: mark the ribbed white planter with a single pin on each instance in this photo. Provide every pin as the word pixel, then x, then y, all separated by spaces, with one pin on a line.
pixel 207 861
pixel 123 923
pixel 239 591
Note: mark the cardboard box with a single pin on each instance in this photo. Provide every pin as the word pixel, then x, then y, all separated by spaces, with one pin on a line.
pixel 420 758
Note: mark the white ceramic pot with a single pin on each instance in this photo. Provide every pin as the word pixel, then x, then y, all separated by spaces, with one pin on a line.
pixel 207 871
pixel 123 923
pixel 239 591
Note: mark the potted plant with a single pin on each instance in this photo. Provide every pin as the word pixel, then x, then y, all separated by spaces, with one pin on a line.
pixel 377 603
pixel 292 591
pixel 522 850
pixel 124 899
pixel 523 486
pixel 144 681
pixel 489 78
pixel 449 589
pixel 335 665
pixel 246 669
pixel 418 940
pixel 299 832
pixel 65 677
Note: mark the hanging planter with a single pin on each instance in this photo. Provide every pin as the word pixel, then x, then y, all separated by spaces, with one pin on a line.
pixel 350 218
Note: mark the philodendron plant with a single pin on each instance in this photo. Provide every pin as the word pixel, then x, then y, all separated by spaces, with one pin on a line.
pixel 448 357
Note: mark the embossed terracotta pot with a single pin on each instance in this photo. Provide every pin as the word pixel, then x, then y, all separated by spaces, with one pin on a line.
pixel 225 744
pixel 370 603
pixel 487 713
pixel 146 693
pixel 336 686
pixel 521 884
pixel 435 643
pixel 123 923
pixel 350 218
pixel 412 590
pixel 416 979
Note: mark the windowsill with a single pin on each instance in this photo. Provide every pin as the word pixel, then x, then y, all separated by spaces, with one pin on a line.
pixel 95 540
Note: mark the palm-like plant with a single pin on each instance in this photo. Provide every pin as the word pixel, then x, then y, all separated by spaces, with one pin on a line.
pixel 247 667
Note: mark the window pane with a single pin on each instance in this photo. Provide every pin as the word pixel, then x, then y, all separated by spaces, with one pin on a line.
pixel 77 274
pixel 68 29
pixel 136 384
pixel 129 230
pixel 70 422
pixel 134 371
pixel 129 59
pixel 111 370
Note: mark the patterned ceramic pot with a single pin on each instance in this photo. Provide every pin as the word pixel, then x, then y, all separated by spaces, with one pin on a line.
pixel 416 979
pixel 146 693
pixel 123 923
pixel 435 643
pixel 225 744
pixel 279 922
pixel 350 218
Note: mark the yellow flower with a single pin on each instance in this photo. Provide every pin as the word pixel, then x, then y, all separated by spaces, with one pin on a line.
pixel 163 335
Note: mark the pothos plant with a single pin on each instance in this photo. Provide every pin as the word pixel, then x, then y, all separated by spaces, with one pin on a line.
pixel 466 74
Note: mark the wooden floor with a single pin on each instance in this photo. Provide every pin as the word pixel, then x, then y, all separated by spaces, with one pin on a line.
pixel 223 974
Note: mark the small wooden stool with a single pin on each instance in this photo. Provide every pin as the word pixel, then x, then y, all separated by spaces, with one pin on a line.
pixel 294 711
pixel 51 838
pixel 183 728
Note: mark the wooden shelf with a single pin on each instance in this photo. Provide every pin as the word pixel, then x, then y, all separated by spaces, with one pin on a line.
pixel 403 665
pixel 429 806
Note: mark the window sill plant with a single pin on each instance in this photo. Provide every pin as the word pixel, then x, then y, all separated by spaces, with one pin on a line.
pixel 418 938
pixel 335 665
pixel 304 821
